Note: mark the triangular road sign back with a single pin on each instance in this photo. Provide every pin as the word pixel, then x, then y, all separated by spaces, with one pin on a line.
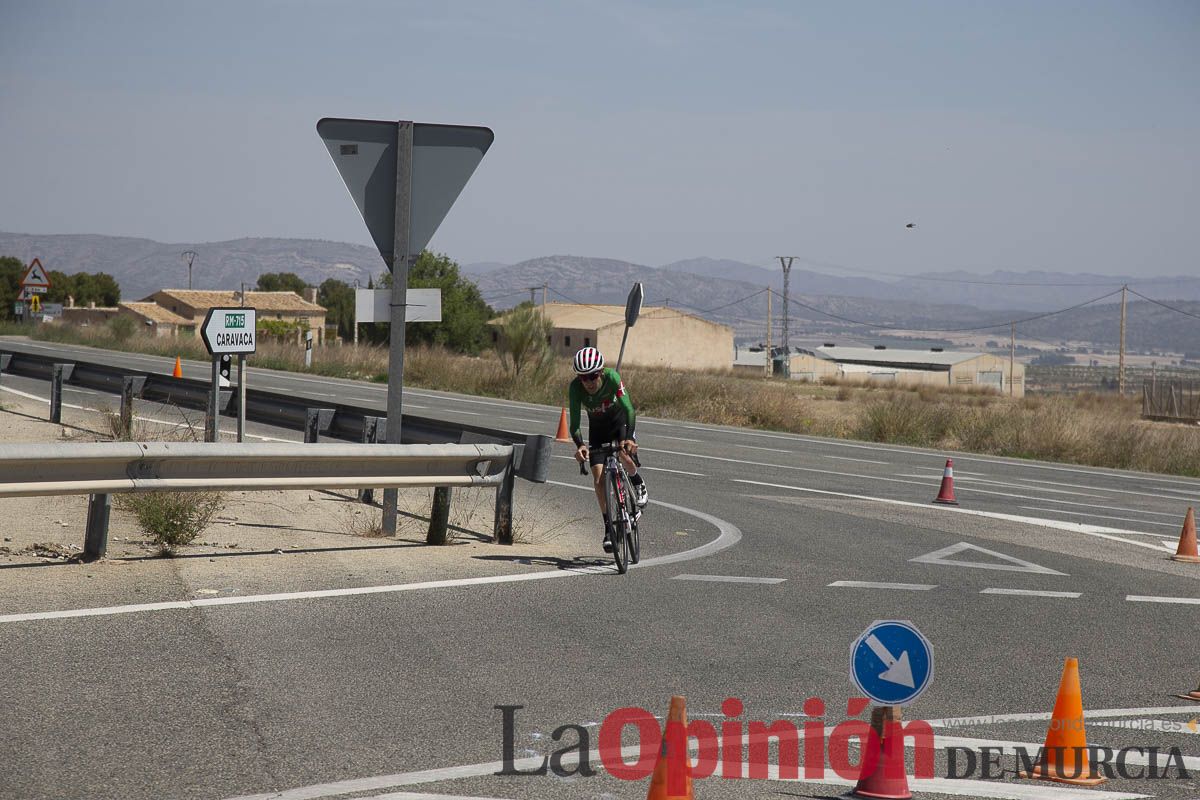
pixel 35 275
pixel 1010 563
pixel 444 158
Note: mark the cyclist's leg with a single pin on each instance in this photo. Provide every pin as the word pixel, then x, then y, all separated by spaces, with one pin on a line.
pixel 600 434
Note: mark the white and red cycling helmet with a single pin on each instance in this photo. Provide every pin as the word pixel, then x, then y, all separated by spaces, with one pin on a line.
pixel 588 360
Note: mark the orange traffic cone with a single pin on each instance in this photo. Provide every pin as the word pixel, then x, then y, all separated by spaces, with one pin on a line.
pixel 178 371
pixel 672 778
pixel 1064 756
pixel 1191 696
pixel 946 493
pixel 1187 540
pixel 888 777
pixel 563 434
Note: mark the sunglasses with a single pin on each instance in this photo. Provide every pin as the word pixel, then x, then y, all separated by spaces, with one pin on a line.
pixel 591 376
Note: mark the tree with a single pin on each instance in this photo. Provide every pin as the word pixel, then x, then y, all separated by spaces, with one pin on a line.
pixel 464 314
pixel 84 287
pixel 11 270
pixel 338 299
pixel 281 282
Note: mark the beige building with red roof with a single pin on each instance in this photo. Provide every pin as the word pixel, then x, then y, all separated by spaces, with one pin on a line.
pixel 191 305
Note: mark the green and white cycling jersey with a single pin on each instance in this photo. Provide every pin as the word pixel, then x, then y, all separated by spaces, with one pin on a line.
pixel 608 407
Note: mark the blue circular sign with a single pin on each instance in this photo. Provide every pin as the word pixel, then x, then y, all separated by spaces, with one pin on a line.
pixel 891 662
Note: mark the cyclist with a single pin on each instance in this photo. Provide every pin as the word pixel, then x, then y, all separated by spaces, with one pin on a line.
pixel 610 417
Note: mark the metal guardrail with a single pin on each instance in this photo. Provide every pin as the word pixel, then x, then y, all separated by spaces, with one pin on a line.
pixel 285 410
pixel 101 469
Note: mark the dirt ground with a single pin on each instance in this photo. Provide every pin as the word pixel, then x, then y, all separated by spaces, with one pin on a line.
pixel 42 530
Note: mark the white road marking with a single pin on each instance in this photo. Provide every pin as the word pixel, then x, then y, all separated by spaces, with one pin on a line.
pixel 1141 598
pixel 1013 564
pixel 962 479
pixel 664 469
pixel 29 396
pixel 1138 492
pixel 680 438
pixel 971 788
pixel 769 449
pixel 915 587
pixel 425 796
pixel 860 460
pixel 1156 725
pixel 643 467
pixel 729 535
pixel 1030 593
pixel 1105 516
pixel 1076 527
pixel 1095 713
pixel 727 579
pixel 820 471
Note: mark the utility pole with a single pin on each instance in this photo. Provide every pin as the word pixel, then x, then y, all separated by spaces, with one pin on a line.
pixel 1012 360
pixel 786 263
pixel 243 294
pixel 544 286
pixel 769 362
pixel 356 312
pixel 189 256
pixel 1121 363
pixel 532 300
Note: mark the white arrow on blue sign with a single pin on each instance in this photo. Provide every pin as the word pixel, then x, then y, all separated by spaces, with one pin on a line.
pixel 891 662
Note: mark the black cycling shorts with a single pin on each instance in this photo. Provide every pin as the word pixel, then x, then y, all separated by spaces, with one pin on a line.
pixel 602 431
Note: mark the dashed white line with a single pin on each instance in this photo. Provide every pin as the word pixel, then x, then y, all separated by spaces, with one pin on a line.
pixel 1031 593
pixel 727 579
pixel 914 587
pixel 1141 598
pixel 859 460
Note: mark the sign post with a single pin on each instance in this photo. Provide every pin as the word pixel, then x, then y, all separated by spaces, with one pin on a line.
pixel 403 176
pixel 227 332
pixel 633 307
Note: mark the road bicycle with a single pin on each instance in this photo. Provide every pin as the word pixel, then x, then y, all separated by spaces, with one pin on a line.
pixel 622 508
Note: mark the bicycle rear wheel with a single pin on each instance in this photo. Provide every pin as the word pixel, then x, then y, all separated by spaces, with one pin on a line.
pixel 616 513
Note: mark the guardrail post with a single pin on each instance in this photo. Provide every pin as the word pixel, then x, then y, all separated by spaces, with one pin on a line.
pixel 370 435
pixel 4 359
pixel 439 515
pixel 131 387
pixel 95 541
pixel 502 531
pixel 56 383
pixel 316 420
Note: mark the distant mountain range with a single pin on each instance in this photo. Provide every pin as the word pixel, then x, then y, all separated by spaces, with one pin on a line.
pixel 143 266
pixel 726 291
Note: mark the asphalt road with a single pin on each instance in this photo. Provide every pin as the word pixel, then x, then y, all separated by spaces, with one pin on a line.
pixel 394 694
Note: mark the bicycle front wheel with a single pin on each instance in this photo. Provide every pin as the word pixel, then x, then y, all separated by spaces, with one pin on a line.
pixel 616 513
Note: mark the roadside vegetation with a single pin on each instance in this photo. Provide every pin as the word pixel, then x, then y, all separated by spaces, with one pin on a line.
pixel 1102 430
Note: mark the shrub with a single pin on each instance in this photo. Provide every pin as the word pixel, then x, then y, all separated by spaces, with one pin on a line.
pixel 121 327
pixel 174 519
pixel 524 349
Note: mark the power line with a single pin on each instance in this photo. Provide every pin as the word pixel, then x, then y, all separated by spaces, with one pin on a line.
pixel 939 279
pixel 1164 305
pixel 951 330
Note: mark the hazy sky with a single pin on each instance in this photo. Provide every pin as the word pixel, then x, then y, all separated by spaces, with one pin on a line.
pixel 1040 135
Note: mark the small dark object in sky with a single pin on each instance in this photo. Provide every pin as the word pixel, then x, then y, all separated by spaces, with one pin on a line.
pixel 911 225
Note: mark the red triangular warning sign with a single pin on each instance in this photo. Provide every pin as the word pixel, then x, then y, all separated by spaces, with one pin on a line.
pixel 35 275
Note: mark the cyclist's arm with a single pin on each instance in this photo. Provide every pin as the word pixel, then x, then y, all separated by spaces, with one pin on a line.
pixel 575 400
pixel 625 403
